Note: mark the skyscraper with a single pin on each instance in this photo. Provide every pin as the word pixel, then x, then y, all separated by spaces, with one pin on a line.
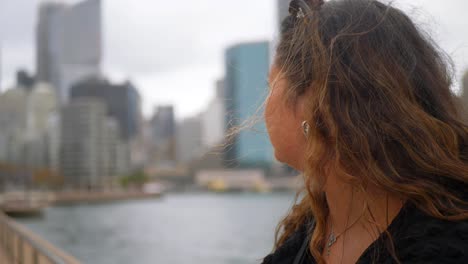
pixel 116 151
pixel 464 97
pixel 283 11
pixel 465 85
pixel 84 162
pixel 49 42
pixel 122 101
pixel 163 133
pixel 24 116
pixel 247 68
pixel 189 139
pixel 213 119
pixel 25 80
pixel 53 142
pixel 42 103
pixel 13 124
pixel 68 43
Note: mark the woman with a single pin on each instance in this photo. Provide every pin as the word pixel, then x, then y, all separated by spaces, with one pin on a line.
pixel 360 102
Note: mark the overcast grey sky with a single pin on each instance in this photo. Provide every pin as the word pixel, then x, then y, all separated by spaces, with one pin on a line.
pixel 173 50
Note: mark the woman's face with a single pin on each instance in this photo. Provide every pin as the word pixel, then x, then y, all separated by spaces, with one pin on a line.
pixel 284 123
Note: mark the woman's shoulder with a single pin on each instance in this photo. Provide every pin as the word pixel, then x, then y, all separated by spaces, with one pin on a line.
pixel 426 239
pixel 416 237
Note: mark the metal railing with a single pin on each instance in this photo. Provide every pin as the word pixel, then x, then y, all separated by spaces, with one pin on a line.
pixel 24 247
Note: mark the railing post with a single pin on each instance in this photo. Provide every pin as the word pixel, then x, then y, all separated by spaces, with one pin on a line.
pixel 35 256
pixel 13 248
pixel 8 247
pixel 20 251
pixel 2 234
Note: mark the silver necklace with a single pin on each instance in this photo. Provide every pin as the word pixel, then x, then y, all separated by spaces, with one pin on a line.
pixel 332 238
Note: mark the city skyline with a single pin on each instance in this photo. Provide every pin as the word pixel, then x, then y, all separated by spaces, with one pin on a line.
pixel 134 131
pixel 156 68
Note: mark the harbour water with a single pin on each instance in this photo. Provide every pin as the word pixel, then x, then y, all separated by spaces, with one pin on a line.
pixel 177 229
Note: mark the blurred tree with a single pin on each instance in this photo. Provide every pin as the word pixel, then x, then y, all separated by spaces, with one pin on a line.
pixel 45 177
pixel 136 179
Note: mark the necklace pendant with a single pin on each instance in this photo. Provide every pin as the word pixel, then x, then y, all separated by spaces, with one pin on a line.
pixel 331 240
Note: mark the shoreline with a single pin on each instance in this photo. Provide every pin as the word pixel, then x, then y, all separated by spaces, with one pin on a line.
pixel 77 197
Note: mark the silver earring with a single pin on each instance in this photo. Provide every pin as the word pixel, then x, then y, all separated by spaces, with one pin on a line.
pixel 305 128
pixel 300 13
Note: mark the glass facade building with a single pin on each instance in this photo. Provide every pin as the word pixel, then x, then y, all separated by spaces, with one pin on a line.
pixel 247 67
pixel 68 44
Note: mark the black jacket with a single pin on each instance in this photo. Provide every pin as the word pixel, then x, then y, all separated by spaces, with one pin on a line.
pixel 418 239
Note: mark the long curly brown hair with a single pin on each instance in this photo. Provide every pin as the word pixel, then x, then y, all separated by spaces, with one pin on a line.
pixel 382 113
